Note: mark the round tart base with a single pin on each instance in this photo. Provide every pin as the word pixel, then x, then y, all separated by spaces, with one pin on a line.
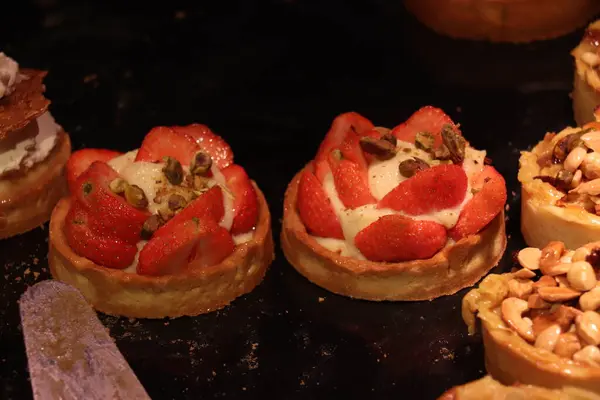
pixel 26 201
pixel 192 292
pixel 541 220
pixel 510 359
pixel 453 268
pixel 503 20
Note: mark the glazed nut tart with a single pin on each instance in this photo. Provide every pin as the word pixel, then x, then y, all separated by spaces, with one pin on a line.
pixel 412 213
pixel 488 388
pixel 586 83
pixel 503 20
pixel 540 324
pixel 33 151
pixel 560 188
pixel 174 228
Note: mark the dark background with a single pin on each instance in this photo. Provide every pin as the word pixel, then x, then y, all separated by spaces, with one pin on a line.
pixel 269 77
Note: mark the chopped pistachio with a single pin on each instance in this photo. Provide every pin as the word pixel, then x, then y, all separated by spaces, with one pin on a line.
pixel 118 185
pixel 411 166
pixel 455 143
pixel 150 226
pixel 173 171
pixel 424 141
pixel 176 201
pixel 201 164
pixel 380 148
pixel 136 196
pixel 563 180
pixel 390 138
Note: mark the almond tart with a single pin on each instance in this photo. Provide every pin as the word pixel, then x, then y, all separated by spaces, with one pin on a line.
pixel 488 388
pixel 33 151
pixel 540 324
pixel 586 83
pixel 174 228
pixel 560 188
pixel 503 20
pixel 411 213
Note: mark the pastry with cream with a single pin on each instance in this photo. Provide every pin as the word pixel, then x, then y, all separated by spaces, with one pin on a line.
pixel 560 188
pixel 586 83
pixel 173 228
pixel 488 388
pixel 540 323
pixel 33 151
pixel 409 213
pixel 503 20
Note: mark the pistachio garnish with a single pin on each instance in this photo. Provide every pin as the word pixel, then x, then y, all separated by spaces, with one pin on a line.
pixel 442 153
pixel 201 164
pixel 380 148
pixel 382 130
pixel 118 185
pixel 150 226
pixel 566 145
pixel 173 171
pixel 136 196
pixel 176 201
pixel 563 180
pixel 455 143
pixel 200 182
pixel 424 141
pixel 165 213
pixel 390 138
pixel 411 166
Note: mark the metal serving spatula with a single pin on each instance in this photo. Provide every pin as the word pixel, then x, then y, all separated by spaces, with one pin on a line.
pixel 69 351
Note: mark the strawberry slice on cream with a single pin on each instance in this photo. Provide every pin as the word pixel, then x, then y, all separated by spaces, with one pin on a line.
pixel 398 201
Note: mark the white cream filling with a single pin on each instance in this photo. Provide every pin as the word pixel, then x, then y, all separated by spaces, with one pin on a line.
pixel 9 71
pixel 150 178
pixel 384 176
pixel 34 149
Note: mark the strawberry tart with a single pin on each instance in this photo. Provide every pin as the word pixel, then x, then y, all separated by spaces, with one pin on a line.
pixel 586 84
pixel 33 151
pixel 560 188
pixel 540 323
pixel 410 213
pixel 174 228
pixel 503 20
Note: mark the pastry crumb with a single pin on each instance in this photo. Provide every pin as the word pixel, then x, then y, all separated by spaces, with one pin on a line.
pixel 321 299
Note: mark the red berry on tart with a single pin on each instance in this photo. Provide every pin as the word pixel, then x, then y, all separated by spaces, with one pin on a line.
pixel 586 83
pixel 408 213
pixel 540 323
pixel 33 151
pixel 560 188
pixel 173 228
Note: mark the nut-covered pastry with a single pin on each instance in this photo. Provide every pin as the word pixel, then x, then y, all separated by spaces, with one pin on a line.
pixel 33 151
pixel 540 323
pixel 408 213
pixel 173 228
pixel 504 20
pixel 488 388
pixel 586 83
pixel 560 181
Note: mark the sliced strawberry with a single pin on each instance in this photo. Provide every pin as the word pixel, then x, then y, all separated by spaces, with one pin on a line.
pixel 213 144
pixel 350 149
pixel 207 205
pixel 484 206
pixel 342 124
pixel 426 119
pixel 102 250
pixel 112 215
pixel 245 202
pixel 162 141
pixel 352 185
pixel 433 189
pixel 315 208
pixel 82 159
pixel 213 248
pixel 395 238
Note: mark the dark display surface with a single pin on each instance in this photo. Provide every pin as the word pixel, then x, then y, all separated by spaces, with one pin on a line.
pixel 270 77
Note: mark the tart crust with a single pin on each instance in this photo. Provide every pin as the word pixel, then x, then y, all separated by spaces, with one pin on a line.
pixel 586 86
pixel 541 220
pixel 192 292
pixel 488 388
pixel 510 359
pixel 453 268
pixel 503 20
pixel 26 201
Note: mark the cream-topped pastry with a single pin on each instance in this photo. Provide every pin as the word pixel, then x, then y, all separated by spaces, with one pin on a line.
pixel 385 214
pixel 172 228
pixel 9 71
